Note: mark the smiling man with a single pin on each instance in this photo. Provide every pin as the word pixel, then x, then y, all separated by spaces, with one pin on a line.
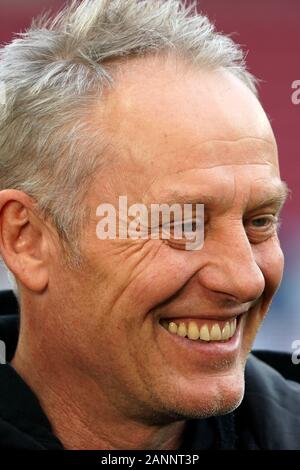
pixel 138 343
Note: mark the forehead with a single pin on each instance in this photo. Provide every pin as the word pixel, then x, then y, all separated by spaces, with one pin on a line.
pixel 221 188
pixel 168 117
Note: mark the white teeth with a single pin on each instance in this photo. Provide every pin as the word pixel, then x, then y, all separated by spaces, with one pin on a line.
pixel 232 327
pixel 215 333
pixel 182 330
pixel 192 330
pixel 226 331
pixel 204 333
pixel 172 327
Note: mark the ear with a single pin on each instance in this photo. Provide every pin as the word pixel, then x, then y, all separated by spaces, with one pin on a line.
pixel 23 239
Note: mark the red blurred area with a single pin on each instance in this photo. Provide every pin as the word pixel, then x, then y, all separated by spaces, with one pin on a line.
pixel 269 30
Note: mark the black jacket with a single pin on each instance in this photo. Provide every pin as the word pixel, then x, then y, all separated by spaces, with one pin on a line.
pixel 268 417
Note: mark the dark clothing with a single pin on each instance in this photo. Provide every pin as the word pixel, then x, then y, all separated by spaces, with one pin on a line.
pixel 268 418
pixel 23 424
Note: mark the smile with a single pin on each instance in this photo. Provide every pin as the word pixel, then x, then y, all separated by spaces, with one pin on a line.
pixel 204 330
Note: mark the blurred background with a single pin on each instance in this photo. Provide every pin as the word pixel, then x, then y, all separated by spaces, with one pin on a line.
pixel 269 30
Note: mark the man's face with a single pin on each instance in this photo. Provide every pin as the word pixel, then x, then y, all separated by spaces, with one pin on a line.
pixel 181 135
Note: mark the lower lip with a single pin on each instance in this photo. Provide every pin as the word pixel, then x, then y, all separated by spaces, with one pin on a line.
pixel 209 349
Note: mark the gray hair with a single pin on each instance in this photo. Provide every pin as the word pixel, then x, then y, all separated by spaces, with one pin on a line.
pixel 52 73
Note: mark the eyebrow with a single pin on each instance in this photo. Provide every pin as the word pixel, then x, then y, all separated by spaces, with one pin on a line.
pixel 277 199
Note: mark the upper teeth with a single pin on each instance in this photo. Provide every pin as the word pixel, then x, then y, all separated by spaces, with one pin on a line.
pixel 192 331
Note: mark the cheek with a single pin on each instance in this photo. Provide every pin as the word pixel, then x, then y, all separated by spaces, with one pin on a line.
pixel 270 259
pixel 159 277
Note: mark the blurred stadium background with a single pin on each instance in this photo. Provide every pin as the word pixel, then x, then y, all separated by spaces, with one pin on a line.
pixel 270 31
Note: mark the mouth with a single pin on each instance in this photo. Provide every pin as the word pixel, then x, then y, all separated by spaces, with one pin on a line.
pixel 204 330
pixel 207 339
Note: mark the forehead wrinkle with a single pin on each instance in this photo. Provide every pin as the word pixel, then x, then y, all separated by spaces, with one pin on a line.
pixel 206 165
pixel 250 137
pixel 242 151
pixel 185 170
pixel 275 191
pixel 209 167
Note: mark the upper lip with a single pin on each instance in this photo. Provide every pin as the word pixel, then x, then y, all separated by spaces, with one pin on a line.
pixel 224 316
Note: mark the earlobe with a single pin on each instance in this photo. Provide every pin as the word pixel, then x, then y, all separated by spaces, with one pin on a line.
pixel 23 243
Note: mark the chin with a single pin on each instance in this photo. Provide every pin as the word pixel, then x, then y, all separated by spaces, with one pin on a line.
pixel 208 396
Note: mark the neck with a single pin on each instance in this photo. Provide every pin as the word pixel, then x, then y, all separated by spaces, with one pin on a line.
pixel 83 417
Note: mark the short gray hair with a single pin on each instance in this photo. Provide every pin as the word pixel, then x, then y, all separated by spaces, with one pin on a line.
pixel 49 147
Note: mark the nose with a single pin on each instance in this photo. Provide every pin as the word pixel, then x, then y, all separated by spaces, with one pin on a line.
pixel 230 267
